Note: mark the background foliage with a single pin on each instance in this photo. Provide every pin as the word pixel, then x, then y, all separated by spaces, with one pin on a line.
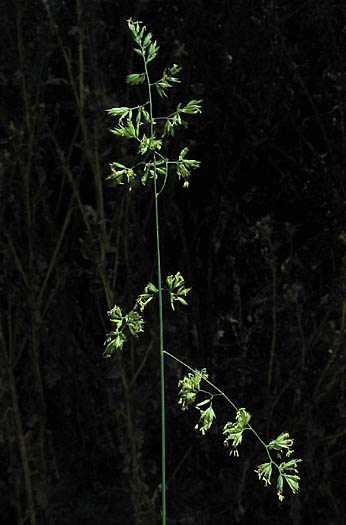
pixel 259 236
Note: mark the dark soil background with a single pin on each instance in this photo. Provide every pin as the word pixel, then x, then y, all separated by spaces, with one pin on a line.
pixel 259 236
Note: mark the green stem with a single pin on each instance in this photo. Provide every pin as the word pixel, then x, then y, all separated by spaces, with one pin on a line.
pixel 158 255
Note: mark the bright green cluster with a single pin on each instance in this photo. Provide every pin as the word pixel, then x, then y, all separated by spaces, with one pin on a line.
pixel 144 298
pixel 189 387
pixel 176 289
pixel 146 47
pixel 133 321
pixel 234 431
pixel 139 124
pixel 288 470
pixel 116 338
pixel 207 416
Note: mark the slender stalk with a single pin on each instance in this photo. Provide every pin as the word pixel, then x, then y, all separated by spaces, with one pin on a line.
pixel 158 258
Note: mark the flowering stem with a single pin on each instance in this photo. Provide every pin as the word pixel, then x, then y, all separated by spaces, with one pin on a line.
pixel 158 258
pixel 248 426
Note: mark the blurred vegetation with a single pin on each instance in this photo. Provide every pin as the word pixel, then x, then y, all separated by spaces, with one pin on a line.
pixel 259 235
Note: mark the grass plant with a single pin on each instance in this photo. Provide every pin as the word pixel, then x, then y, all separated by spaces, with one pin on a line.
pixel 150 133
pixel 269 314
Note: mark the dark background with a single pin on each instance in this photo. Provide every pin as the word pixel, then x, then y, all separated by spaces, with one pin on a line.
pixel 259 236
